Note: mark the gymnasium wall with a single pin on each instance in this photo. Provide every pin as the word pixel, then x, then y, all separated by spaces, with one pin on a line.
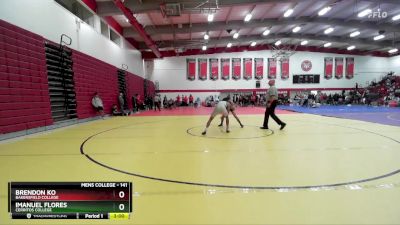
pixel 394 64
pixel 48 19
pixel 24 95
pixel 171 73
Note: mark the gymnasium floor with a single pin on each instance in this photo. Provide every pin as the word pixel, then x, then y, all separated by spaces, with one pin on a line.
pixel 318 170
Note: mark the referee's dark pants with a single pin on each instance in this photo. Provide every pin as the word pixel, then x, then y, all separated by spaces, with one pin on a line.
pixel 270 111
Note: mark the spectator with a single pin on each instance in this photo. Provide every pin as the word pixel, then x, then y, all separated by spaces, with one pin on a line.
pixel 185 101
pixel 178 100
pixel 198 102
pixel 115 111
pixel 121 102
pixel 98 104
pixel 191 100
pixel 165 102
pixel 139 101
pixel 171 103
pixel 134 103
pixel 157 102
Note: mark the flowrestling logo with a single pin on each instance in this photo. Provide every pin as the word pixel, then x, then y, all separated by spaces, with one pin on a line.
pixel 377 14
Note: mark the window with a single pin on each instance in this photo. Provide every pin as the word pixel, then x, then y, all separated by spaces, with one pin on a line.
pixel 115 37
pixel 78 10
pixel 104 29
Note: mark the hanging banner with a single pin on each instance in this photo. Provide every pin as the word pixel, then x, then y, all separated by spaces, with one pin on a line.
pixel 190 69
pixel 202 69
pixel 285 68
pixel 349 68
pixel 328 67
pixel 236 68
pixel 226 68
pixel 271 68
pixel 338 68
pixel 248 68
pixel 214 69
pixel 259 68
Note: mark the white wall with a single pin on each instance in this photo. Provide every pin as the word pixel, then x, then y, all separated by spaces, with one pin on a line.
pixel 394 64
pixel 171 72
pixel 50 20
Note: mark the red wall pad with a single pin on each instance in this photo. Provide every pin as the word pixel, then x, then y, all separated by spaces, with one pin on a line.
pixel 134 85
pixel 24 94
pixel 92 75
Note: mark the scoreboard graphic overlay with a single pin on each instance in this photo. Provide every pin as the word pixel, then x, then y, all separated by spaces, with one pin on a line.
pixel 70 200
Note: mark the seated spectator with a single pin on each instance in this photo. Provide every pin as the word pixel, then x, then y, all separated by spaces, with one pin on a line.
pixel 171 103
pixel 114 111
pixel 185 101
pixel 98 104
pixel 197 103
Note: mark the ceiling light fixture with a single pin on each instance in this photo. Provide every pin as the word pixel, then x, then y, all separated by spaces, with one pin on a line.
pixel 393 50
pixel 204 48
pixel 397 17
pixel 288 13
pixel 253 43
pixel 364 12
pixel 229 45
pixel 210 17
pixel 278 42
pixel 236 35
pixel 329 30
pixel 355 33
pixel 296 29
pixel 351 47
pixel 266 32
pixel 247 18
pixel 206 37
pixel 324 10
pixel 379 37
pixel 304 42
pixel 327 44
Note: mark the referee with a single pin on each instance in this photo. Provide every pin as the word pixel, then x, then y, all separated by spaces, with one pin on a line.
pixel 272 101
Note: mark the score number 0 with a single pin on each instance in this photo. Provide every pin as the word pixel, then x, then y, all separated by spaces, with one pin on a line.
pixel 121 194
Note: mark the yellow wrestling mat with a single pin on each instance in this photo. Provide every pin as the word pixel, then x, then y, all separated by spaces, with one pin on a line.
pixel 318 170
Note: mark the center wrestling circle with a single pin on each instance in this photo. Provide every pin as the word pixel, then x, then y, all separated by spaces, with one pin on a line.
pixel 196 131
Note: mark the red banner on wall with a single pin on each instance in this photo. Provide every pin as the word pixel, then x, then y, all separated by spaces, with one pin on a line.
pixel 285 68
pixel 328 67
pixel 202 69
pixel 214 69
pixel 226 68
pixel 236 68
pixel 248 68
pixel 190 69
pixel 259 68
pixel 271 68
pixel 349 68
pixel 338 68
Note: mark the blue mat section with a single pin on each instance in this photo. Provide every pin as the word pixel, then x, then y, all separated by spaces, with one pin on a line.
pixel 382 115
